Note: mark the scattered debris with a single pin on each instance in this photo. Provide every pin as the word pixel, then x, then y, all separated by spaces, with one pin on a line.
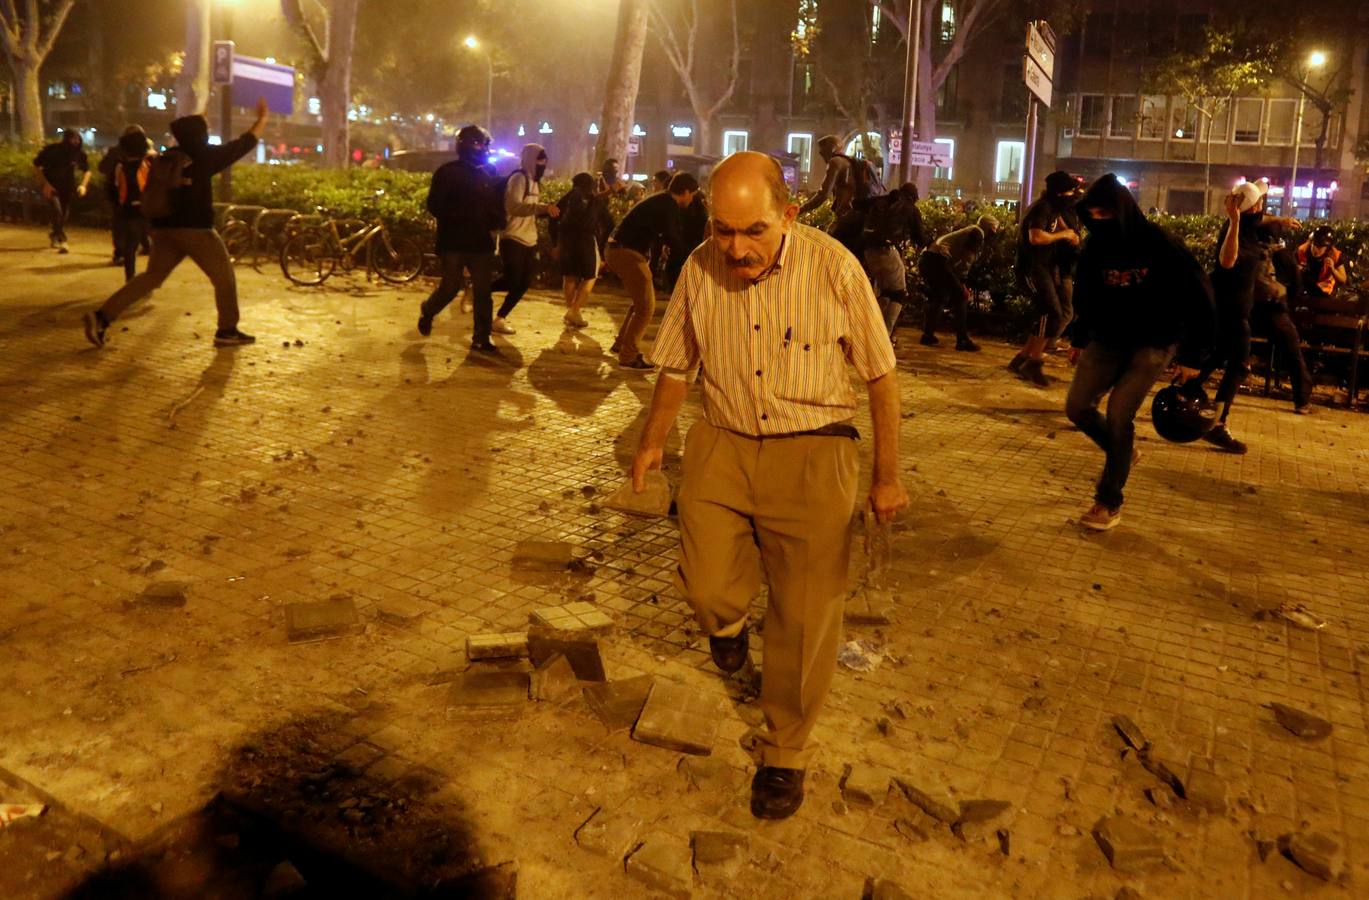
pixel 1161 770
pixel 653 502
pixel 572 630
pixel 553 679
pixel 508 645
pixel 931 796
pixel 664 864
pixel 883 889
pixel 1004 841
pixel 166 593
pixel 1126 844
pixel 860 656
pixel 9 812
pixel 320 621
pixel 1303 724
pixel 1203 788
pixel 618 704
pixel 1295 614
pixel 678 718
pixel 864 785
pixel 1315 853
pixel 488 692
pixel 542 556
pixel 1130 733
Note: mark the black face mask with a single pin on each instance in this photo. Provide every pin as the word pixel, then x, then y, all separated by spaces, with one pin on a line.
pixel 1105 228
pixel 540 170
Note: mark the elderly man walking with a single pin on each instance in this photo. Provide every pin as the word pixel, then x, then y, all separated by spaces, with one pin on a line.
pixel 772 312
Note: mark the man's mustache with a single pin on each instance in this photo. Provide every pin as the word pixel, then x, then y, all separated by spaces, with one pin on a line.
pixel 748 261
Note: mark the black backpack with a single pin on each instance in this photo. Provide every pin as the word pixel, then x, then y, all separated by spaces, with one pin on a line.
pixel 165 176
pixel 886 221
pixel 864 179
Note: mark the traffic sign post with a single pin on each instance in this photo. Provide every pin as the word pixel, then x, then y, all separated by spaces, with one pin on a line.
pixel 223 62
pixel 1038 74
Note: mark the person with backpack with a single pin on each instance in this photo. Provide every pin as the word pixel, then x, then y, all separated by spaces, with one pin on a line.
pixel 55 167
pixel 131 170
pixel 943 267
pixel 850 183
pixel 1044 233
pixel 518 241
pixel 109 166
pixel 1143 300
pixel 579 233
pixel 891 221
pixel 178 201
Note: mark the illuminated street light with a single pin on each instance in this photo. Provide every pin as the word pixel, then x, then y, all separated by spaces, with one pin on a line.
pixel 1315 60
pixel 471 42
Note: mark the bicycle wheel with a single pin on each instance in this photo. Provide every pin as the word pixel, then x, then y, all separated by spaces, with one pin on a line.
pixel 308 258
pixel 395 258
pixel 237 237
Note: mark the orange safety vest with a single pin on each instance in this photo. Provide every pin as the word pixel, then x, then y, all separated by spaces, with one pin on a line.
pixel 121 179
pixel 1326 279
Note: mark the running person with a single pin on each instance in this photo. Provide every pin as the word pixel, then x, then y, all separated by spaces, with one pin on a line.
pixel 55 167
pixel 518 241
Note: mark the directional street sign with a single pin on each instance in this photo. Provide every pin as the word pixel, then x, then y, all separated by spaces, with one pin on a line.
pixel 1038 82
pixel 1041 47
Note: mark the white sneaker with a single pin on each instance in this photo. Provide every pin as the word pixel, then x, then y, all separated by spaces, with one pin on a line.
pixel 502 327
pixel 574 320
pixel 63 248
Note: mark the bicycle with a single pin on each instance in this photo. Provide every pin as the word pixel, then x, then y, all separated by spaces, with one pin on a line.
pixel 235 227
pixel 310 257
pixel 261 238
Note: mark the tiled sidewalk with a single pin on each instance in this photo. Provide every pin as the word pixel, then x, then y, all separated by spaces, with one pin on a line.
pixel 365 461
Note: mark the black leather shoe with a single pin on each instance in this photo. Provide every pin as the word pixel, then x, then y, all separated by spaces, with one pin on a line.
pixel 729 653
pixel 776 793
pixel 425 325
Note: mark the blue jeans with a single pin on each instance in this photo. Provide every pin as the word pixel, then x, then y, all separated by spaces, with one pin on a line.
pixel 1129 375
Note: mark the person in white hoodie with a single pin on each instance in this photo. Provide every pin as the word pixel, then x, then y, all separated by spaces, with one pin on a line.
pixel 518 241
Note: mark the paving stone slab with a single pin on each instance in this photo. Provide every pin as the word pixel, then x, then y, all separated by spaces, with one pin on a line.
pixel 679 718
pixel 508 645
pixel 610 833
pixel 1127 845
pixel 713 848
pixel 583 654
pixel 982 818
pixel 663 863
pixel 553 680
pixel 401 612
pixel 1204 788
pixel 572 618
pixel 709 774
pixel 488 693
pixel 927 792
pixel 1130 732
pixel 884 889
pixel 618 704
pixel 1315 853
pixel 166 593
pixel 654 502
pixel 865 785
pixel 321 621
pixel 542 556
pixel 1301 723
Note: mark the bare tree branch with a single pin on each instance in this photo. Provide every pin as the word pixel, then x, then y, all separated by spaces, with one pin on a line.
pixel 294 16
pixel 54 27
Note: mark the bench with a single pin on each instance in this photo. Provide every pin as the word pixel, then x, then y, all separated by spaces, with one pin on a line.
pixel 1332 327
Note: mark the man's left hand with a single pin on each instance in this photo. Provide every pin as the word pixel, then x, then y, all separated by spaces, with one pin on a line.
pixel 887 498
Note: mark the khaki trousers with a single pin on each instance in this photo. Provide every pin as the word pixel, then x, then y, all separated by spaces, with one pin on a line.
pixel 634 270
pixel 169 247
pixel 783 505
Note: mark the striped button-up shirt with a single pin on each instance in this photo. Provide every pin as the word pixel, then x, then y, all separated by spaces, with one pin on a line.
pixel 774 352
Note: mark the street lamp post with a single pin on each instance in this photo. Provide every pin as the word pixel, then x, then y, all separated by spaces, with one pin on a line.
pixel 474 44
pixel 914 36
pixel 226 101
pixel 1315 60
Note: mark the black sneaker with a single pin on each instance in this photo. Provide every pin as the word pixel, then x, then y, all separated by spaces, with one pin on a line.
pixel 95 325
pixel 965 345
pixel 485 346
pixel 232 337
pixel 637 365
pixel 1016 364
pixel 1033 370
pixel 1221 437
pixel 929 340
pixel 425 325
pixel 617 345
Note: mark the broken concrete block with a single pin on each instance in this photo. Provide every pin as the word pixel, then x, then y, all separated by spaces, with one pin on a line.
pixel 553 680
pixel 489 693
pixel 1130 733
pixel 542 556
pixel 1156 766
pixel 1126 844
pixel 709 774
pixel 911 831
pixel 609 833
pixel 508 645
pixel 865 785
pixel 166 593
pixel 1162 798
pixel 582 653
pixel 679 718
pixel 1315 853
pixel 577 618
pixel 618 704
pixel 1204 789
pixel 981 818
pixel 717 847
pixel 401 612
pixel 664 863
pixel 883 889
pixel 931 796
pixel 1303 724
pixel 653 502
pixel 320 621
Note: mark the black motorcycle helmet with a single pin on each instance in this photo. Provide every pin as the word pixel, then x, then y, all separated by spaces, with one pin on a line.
pixel 1181 413
pixel 473 144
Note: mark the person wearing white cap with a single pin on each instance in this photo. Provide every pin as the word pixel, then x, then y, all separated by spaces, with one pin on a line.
pixel 1244 268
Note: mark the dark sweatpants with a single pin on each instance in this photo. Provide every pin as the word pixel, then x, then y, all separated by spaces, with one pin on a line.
pixel 130 231
pixel 943 289
pixel 60 205
pixel 170 246
pixel 1044 284
pixel 520 262
pixel 454 267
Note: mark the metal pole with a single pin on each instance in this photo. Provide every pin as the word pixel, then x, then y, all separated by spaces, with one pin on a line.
pixel 1292 209
pixel 226 112
pixel 489 90
pixel 914 32
pixel 1029 159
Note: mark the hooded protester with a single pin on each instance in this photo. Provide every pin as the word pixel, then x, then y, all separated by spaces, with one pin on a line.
pixel 1045 232
pixel 181 184
pixel 891 221
pixel 465 201
pixel 943 267
pixel 1142 298
pixel 55 167
pixel 518 240
pixel 109 165
pixel 579 234
pixel 128 178
pixel 1244 275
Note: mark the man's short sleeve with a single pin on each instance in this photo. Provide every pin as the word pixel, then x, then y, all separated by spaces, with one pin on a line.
pixel 868 347
pixel 677 347
pixel 1039 216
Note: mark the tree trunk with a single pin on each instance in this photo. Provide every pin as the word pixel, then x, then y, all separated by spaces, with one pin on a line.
pixel 192 86
pixel 28 102
pixel 335 87
pixel 925 125
pixel 703 136
pixel 624 76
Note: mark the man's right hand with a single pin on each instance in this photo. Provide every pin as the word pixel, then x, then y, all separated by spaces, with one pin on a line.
pixel 1233 207
pixel 646 460
pixel 1070 236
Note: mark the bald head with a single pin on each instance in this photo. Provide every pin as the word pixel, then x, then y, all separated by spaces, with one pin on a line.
pixel 752 211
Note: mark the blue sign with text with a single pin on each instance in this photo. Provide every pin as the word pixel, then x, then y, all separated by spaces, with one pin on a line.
pixel 253 78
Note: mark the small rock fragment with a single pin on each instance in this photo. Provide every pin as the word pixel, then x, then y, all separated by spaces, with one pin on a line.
pixel 663 862
pixel 931 796
pixel 1130 732
pixel 1004 841
pixel 911 830
pixel 864 785
pixel 884 889
pixel 166 593
pixel 1204 789
pixel 654 502
pixel 1315 853
pixel 1303 724
pixel 1127 892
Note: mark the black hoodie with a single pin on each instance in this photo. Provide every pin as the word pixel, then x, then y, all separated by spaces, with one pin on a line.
pixel 1137 286
pixel 193 205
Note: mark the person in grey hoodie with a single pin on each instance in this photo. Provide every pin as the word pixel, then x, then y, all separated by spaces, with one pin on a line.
pixel 518 241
